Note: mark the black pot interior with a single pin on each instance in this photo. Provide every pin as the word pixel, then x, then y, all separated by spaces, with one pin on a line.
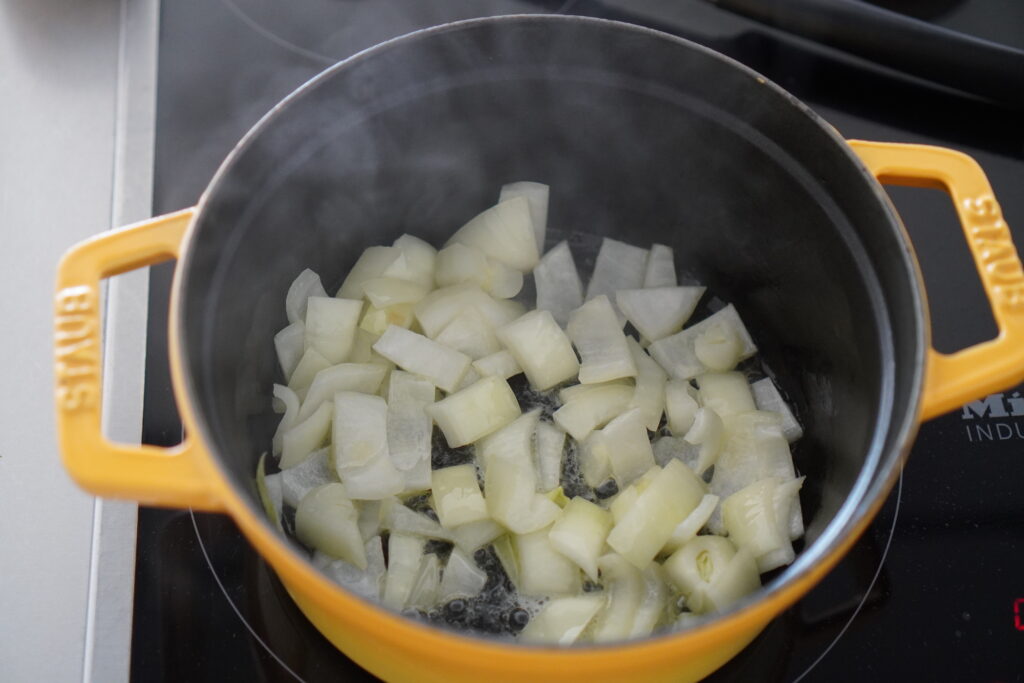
pixel 641 137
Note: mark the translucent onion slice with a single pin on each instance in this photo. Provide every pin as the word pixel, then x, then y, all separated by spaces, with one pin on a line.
pixel 562 620
pixel 501 364
pixel 512 442
pixel 661 267
pixel 422 356
pixel 366 583
pixel 291 411
pixel 290 344
pixel 400 519
pixel 660 311
pixel 727 393
pixel 470 537
pixel 461 578
pixel 510 489
pixel 425 586
pixel 331 326
pixel 597 335
pixel 718 347
pixel 680 405
pixel 536 195
pixel 592 409
pixel 651 611
pixel 543 571
pixel 540 348
pixel 625 445
pixel 470 333
pixel 749 518
pixel 409 427
pixel 649 523
pixel 649 395
pixel 326 520
pixel 476 411
pixel 376 320
pixel 316 470
pixel 768 398
pixel 389 291
pixel 677 354
pixel 575 391
pixel 460 263
pixel 310 364
pixel 438 308
pixel 711 574
pixel 371 263
pixel 417 264
pixel 504 232
pixel 305 437
pixel 694 522
pixel 364 378
pixel 579 533
pixel 456 496
pixel 307 284
pixel 708 432
pixel 559 289
pixel 360 445
pixel 550 445
pixel 405 554
pixel 625 587
pixel 506 553
pixel 618 266
pixel 787 508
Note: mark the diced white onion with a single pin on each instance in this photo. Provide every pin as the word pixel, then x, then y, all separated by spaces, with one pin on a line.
pixel 409 427
pixel 376 320
pixel 579 533
pixel 290 344
pixel 618 266
pixel 727 393
pixel 456 496
pixel 470 333
pixel 307 284
pixel 559 288
pixel 624 585
pixel 660 311
pixel 400 519
pixel 331 326
pixel 592 409
pixel 389 291
pixel 541 349
pixel 510 489
pixel 651 610
pixel 718 347
pixel 504 232
pixel 418 262
pixel 422 356
pixel 537 196
pixel 693 523
pixel 661 267
pixel 680 405
pixel 475 411
pixel 364 378
pixel 360 444
pixel 708 432
pixel 649 395
pixel 768 398
pixel 562 620
pixel 550 444
pixel 597 335
pixel 405 553
pixel 626 446
pixel 371 263
pixel 677 355
pixel 470 537
pixel 366 583
pixel 291 411
pixel 461 263
pixel 306 436
pixel 326 520
pixel 749 518
pixel 462 578
pixel 312 472
pixel 501 364
pixel 543 571
pixel 438 308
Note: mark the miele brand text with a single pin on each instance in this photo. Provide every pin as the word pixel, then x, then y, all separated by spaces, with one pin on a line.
pixel 997 417
pixel 77 359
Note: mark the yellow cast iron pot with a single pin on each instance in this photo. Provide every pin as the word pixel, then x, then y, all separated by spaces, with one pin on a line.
pixel 643 137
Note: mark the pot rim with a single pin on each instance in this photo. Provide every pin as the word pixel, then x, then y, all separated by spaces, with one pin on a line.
pixel 877 476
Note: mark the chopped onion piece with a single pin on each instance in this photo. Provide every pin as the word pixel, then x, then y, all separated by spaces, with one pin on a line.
pixel 727 393
pixel 739 578
pixel 651 610
pixel 418 262
pixel 290 344
pixel 597 335
pixel 507 557
pixel 326 520
pixel 694 522
pixel 749 518
pixel 537 196
pixel 366 583
pixel 438 308
pixel 768 398
pixel 708 432
pixel 409 427
pixel 371 263
pixel 305 437
pixel 649 395
pixel 470 537
pixel 389 291
pixel 425 586
pixel 309 365
pixel 649 523
pixel 718 347
pixel 575 391
pixel 361 448
pixel 680 405
pixel 579 533
pixel 623 501
pixel 501 364
pixel 307 284
pixel 677 354
pixel 550 444
pixel 405 553
pixel 595 465
pixel 661 267
pixel 316 470
pixel 462 578
pixel 456 496
pixel 401 519
pixel 290 417
pixel 331 326
pixel 510 489
pixel 541 349
pixel 422 356
pixel 362 347
pixel 787 508
pixel 417 478
pixel 562 620
pixel 469 379
pixel 475 411
pixel 512 442
pixel 559 289
pixel 593 409
pixel 624 585
pixel 658 312
pixel 504 232
pixel 376 320
pixel 625 445
pixel 470 333
pixel 711 574
pixel 269 491
pixel 460 263
pixel 364 378
pixel 543 571
pixel 618 266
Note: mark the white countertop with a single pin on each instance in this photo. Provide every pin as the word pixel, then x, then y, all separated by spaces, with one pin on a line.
pixel 77 82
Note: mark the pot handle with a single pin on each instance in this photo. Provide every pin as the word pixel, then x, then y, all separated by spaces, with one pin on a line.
pixel 159 476
pixel 969 374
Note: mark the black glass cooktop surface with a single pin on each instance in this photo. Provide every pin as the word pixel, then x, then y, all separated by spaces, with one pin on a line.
pixel 933 591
